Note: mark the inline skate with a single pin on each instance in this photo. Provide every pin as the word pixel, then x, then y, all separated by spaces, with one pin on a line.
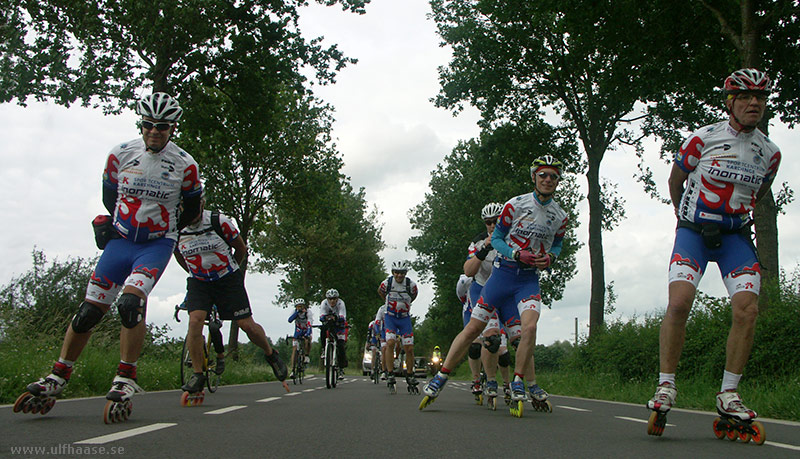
pixel 193 393
pixel 432 389
pixel 517 397
pixel 412 385
pixel 40 396
pixel 391 383
pixel 119 405
pixel 661 403
pixel 491 394
pixel 736 421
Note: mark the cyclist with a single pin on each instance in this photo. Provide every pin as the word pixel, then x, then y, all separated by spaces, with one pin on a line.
pixel 480 256
pixel 302 319
pixel 398 291
pixel 718 175
pixel 151 188
pixel 212 251
pixel 528 237
pixel 333 315
pixel 215 330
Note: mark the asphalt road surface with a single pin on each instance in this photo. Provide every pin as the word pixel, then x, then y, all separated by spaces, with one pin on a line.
pixel 361 419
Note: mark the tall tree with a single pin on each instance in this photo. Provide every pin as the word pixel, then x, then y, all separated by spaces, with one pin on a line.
pixel 578 58
pixel 493 168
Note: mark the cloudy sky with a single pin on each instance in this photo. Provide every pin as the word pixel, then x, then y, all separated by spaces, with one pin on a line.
pixel 391 138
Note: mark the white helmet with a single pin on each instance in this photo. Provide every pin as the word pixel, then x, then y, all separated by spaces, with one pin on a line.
pixel 299 302
pixel 332 293
pixel 491 210
pixel 159 106
pixel 400 265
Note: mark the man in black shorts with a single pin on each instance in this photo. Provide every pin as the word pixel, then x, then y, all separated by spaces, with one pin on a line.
pixel 213 252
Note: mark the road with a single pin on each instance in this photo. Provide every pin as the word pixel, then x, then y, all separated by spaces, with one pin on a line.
pixel 360 419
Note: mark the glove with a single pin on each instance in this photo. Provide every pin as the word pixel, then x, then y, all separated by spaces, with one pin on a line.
pixel 526 257
pixel 482 253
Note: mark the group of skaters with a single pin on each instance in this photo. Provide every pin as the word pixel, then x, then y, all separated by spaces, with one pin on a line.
pixel 155 199
pixel 153 193
pixel 719 174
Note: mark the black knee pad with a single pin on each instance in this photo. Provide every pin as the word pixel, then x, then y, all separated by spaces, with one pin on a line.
pixel 492 343
pixel 131 309
pixel 86 318
pixel 475 351
pixel 504 360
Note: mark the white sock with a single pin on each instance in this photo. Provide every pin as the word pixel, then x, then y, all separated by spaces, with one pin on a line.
pixel 666 377
pixel 730 381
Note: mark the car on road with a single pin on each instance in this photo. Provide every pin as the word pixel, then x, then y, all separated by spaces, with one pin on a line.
pixel 366 361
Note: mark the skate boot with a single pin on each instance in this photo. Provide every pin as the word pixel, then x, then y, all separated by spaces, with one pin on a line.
pixel 41 395
pixel 661 403
pixel 391 384
pixel 412 383
pixel 736 420
pixel 119 406
pixel 539 399
pixel 220 367
pixel 383 376
pixel 432 389
pixel 193 390
pixel 517 397
pixel 278 367
pixel 491 394
pixel 477 391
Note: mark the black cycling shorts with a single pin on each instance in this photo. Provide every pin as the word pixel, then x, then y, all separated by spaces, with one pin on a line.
pixel 228 293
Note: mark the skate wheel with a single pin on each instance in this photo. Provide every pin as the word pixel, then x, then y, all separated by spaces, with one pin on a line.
pixel 108 413
pixel 758 435
pixel 426 401
pixel 656 423
pixel 732 435
pixel 36 405
pixel 516 410
pixel 47 406
pixel 185 399
pixel 744 437
pixel 717 427
pixel 548 407
pixel 21 402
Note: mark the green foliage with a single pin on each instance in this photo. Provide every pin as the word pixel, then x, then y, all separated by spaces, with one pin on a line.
pixel 39 304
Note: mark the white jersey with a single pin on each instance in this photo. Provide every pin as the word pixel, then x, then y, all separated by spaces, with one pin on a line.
pixel 485 269
pixel 209 256
pixel 380 316
pixel 149 188
pixel 726 169
pixel 338 309
pixel 526 223
pixel 399 297
pixel 462 290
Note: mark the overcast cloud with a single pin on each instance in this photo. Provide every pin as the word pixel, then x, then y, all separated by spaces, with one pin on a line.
pixel 390 136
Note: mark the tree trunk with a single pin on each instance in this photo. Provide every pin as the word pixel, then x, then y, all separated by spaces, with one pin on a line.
pixel 598 288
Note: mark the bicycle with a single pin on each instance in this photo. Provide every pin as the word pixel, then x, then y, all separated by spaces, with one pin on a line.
pixel 299 366
pixel 330 354
pixel 209 365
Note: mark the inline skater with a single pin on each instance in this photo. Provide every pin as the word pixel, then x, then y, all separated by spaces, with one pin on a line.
pixel 333 316
pixel 380 323
pixel 398 292
pixel 478 265
pixel 528 238
pixel 302 319
pixel 212 251
pixel 463 286
pixel 718 175
pixel 151 188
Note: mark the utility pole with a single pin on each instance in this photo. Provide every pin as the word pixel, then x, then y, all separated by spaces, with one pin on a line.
pixel 576 332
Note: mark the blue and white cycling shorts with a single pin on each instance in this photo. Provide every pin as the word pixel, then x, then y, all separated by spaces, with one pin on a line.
pixel 736 259
pixel 300 333
pixel 139 264
pixel 510 291
pixel 473 295
pixel 399 326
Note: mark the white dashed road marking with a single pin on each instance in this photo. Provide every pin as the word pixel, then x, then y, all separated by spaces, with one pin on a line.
pixel 268 399
pixel 643 421
pixel 572 408
pixel 124 434
pixel 226 409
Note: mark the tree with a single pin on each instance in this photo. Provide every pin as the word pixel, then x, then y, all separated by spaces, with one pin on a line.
pixel 512 59
pixel 474 174
pixel 713 38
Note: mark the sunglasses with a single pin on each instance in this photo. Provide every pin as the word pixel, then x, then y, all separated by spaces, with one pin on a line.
pixel 491 221
pixel 399 272
pixel 159 126
pixel 543 175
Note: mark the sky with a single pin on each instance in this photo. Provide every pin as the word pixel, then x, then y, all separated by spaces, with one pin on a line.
pixel 390 136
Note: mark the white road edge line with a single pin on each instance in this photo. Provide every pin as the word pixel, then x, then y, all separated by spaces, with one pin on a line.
pixel 643 421
pixel 292 394
pixel 573 408
pixel 309 390
pixel 226 409
pixel 782 445
pixel 268 399
pixel 125 434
